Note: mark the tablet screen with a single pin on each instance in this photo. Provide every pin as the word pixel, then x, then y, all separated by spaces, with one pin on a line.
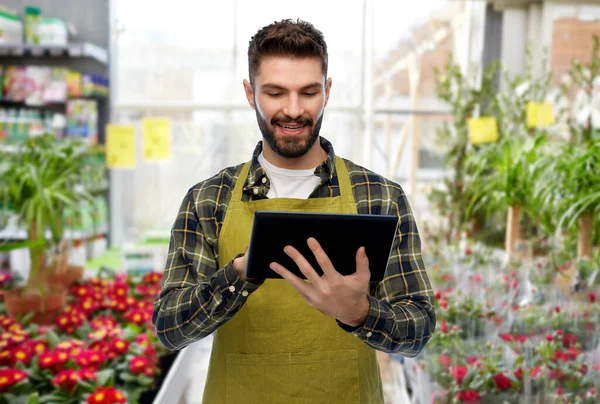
pixel 340 235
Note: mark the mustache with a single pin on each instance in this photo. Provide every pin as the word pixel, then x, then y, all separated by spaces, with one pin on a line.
pixel 300 121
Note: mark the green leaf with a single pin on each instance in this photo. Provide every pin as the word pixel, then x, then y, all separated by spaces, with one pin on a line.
pixel 34 398
pixel 126 377
pixel 144 380
pixel 105 377
pixel 52 338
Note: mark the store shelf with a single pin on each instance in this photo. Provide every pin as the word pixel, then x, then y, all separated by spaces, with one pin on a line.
pixel 17 233
pixel 74 50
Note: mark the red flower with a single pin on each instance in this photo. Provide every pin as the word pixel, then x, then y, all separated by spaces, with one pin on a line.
pixel 549 338
pixel 573 353
pixel 106 395
pixel 10 377
pixel 519 373
pixel 459 373
pixel 142 339
pixel 535 371
pixel 468 251
pixel 445 361
pixel 560 356
pixel 583 369
pixel 139 364
pixel 569 340
pixel 560 391
pixel 469 396
pixel 555 374
pixel 119 346
pixel 66 379
pixel 90 358
pixel 472 360
pixel 507 337
pixel 21 354
pixel 443 326
pixel 592 298
pixel 557 309
pixel 137 316
pixel 152 278
pixel 444 304
pixel 522 339
pixel 502 382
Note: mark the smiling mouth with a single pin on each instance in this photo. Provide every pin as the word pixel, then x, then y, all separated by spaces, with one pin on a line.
pixel 291 129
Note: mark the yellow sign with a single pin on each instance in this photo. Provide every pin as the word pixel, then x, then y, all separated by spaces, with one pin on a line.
pixel 483 130
pixel 120 146
pixel 156 135
pixel 540 114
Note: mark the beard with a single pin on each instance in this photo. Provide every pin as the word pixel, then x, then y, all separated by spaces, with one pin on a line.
pixel 292 146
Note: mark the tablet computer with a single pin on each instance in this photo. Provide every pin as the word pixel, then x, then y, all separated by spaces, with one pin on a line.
pixel 340 236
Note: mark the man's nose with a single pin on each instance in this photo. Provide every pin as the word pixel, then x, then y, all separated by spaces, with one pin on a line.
pixel 293 107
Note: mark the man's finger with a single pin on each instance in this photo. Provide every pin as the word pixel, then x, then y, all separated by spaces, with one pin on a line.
pixel 362 264
pixel 302 287
pixel 322 258
pixel 303 265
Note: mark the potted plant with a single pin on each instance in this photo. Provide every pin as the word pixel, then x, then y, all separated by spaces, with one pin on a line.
pixel 38 182
pixel 465 97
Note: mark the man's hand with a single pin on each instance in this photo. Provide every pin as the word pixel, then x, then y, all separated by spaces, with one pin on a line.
pixel 338 296
pixel 239 264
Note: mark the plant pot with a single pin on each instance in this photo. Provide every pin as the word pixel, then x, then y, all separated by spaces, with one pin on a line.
pixel 66 278
pixel 45 308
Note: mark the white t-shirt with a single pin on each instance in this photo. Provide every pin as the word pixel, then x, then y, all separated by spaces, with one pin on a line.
pixel 287 183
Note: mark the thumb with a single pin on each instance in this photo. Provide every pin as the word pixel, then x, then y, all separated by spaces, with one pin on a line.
pixel 362 263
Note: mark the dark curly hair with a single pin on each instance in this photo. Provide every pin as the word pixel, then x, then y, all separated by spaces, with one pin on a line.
pixel 286 38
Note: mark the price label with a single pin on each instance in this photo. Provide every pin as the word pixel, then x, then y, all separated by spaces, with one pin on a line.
pixel 156 137
pixel 120 146
pixel 540 114
pixel 483 130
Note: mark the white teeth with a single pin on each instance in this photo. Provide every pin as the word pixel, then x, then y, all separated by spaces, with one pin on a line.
pixel 292 127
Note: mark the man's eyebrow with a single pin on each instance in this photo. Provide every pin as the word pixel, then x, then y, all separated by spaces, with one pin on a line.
pixel 278 87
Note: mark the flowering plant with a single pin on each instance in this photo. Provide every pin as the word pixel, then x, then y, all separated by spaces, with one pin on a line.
pixel 102 349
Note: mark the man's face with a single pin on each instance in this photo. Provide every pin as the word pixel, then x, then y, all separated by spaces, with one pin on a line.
pixel 289 97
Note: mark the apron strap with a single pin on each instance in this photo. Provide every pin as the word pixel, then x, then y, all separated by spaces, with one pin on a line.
pixel 343 177
pixel 239 184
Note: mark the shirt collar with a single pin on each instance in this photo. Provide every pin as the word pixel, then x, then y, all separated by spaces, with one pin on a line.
pixel 257 172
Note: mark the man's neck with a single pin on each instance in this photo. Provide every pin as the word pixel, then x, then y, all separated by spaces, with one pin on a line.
pixel 313 158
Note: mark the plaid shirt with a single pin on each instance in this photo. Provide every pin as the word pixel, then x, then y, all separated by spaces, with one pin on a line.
pixel 196 296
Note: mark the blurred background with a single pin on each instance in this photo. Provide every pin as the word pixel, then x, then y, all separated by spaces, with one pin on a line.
pixel 486 113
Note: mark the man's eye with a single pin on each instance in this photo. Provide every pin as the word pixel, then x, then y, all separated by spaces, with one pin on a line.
pixel 310 94
pixel 273 94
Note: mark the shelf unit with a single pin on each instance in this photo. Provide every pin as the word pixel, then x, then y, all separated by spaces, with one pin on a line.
pixel 88 52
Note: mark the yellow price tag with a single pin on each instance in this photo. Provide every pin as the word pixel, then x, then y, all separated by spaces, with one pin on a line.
pixel 483 130
pixel 120 146
pixel 540 114
pixel 156 135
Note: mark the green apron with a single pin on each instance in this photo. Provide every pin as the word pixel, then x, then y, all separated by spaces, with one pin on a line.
pixel 277 349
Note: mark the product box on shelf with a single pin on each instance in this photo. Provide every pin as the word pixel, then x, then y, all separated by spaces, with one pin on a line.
pixel 82 119
pixel 94 85
pixel 37 79
pixel 11 28
pixel 56 89
pixel 14 86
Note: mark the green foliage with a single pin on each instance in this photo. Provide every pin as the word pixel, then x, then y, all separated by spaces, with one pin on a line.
pixel 38 183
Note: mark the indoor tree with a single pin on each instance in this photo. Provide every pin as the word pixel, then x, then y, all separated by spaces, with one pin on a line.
pixel 39 181
pixel 502 175
pixel 466 97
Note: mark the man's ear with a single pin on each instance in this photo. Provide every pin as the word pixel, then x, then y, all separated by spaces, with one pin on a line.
pixel 327 90
pixel 249 93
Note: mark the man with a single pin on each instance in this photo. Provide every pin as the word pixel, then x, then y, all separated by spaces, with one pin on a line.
pixel 287 340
